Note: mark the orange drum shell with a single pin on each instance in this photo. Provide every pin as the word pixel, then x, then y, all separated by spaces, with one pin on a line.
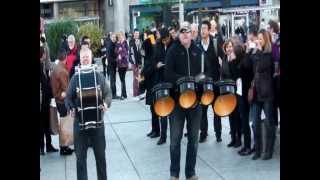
pixel 207 98
pixel 225 104
pixel 164 106
pixel 187 99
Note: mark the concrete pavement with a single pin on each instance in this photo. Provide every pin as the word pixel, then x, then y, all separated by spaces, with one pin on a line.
pixel 133 156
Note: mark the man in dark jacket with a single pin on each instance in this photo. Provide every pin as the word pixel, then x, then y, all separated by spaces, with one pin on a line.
pixel 217 43
pixel 161 50
pixel 183 59
pixel 94 137
pixel 212 70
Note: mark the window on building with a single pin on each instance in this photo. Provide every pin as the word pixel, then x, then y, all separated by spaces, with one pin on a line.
pixel 46 10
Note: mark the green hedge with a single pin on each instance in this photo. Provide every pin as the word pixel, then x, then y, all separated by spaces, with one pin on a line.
pixel 54 33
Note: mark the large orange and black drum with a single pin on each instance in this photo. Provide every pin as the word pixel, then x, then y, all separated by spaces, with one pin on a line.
pixel 163 102
pixel 206 88
pixel 226 102
pixel 186 87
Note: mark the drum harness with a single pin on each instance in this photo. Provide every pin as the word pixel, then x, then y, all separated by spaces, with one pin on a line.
pixel 95 81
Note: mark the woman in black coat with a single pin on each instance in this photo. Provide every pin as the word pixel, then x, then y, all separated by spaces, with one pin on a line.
pixel 148 73
pixel 262 64
pixel 230 70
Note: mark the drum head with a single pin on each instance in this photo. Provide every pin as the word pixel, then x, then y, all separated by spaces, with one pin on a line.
pixel 225 104
pixel 187 99
pixel 164 106
pixel 207 98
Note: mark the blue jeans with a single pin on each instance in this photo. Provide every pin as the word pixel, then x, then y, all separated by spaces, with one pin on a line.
pixel 193 117
pixel 82 141
pixel 255 114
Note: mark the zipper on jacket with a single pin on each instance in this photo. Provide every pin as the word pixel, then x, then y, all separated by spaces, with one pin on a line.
pixel 188 62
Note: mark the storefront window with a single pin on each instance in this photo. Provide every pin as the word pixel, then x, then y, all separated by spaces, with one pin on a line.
pixel 46 10
pixel 78 9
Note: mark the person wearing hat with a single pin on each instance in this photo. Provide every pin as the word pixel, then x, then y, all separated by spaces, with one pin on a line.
pixel 183 59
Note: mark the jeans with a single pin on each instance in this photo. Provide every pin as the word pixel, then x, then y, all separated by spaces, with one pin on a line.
pixel 82 140
pixel 193 117
pixel 135 81
pixel 122 75
pixel 243 107
pixel 113 78
pixel 204 121
pixel 255 114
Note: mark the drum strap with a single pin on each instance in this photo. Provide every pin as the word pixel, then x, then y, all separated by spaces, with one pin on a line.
pixel 80 92
pixel 95 83
pixel 202 62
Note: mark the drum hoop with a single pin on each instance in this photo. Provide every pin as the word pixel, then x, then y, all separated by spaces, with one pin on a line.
pixel 186 79
pixel 161 86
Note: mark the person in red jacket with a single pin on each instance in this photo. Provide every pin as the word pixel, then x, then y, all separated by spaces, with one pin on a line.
pixel 72 52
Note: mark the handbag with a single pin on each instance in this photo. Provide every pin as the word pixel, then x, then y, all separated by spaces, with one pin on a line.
pixel 66 131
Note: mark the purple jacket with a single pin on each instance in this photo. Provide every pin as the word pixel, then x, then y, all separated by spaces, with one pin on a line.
pixel 122 50
pixel 276 50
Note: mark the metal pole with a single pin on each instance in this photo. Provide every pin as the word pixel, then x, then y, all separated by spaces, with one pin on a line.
pixel 181 10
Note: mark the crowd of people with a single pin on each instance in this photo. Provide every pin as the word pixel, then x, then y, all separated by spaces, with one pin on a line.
pixel 165 55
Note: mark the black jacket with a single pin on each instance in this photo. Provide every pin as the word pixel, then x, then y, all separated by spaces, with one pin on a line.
pixel 159 56
pixel 111 53
pixel 182 62
pixel 136 53
pixel 262 67
pixel 148 70
pixel 211 68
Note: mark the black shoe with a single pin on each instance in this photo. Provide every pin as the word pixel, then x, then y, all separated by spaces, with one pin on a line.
pixel 162 140
pixel 245 152
pixel 203 138
pixel 237 144
pixel 256 156
pixel 149 134
pixel 50 148
pixel 267 156
pixel 66 151
pixel 252 150
pixel 154 135
pixel 242 150
pixel 232 143
pixel 42 152
pixel 219 139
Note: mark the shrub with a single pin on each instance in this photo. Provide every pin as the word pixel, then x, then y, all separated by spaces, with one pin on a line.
pixel 54 33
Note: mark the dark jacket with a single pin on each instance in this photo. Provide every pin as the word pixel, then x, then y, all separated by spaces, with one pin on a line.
pixel 111 53
pixel 134 51
pixel 211 67
pixel 230 70
pixel 159 56
pixel 45 87
pixel 148 70
pixel 262 65
pixel 182 62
